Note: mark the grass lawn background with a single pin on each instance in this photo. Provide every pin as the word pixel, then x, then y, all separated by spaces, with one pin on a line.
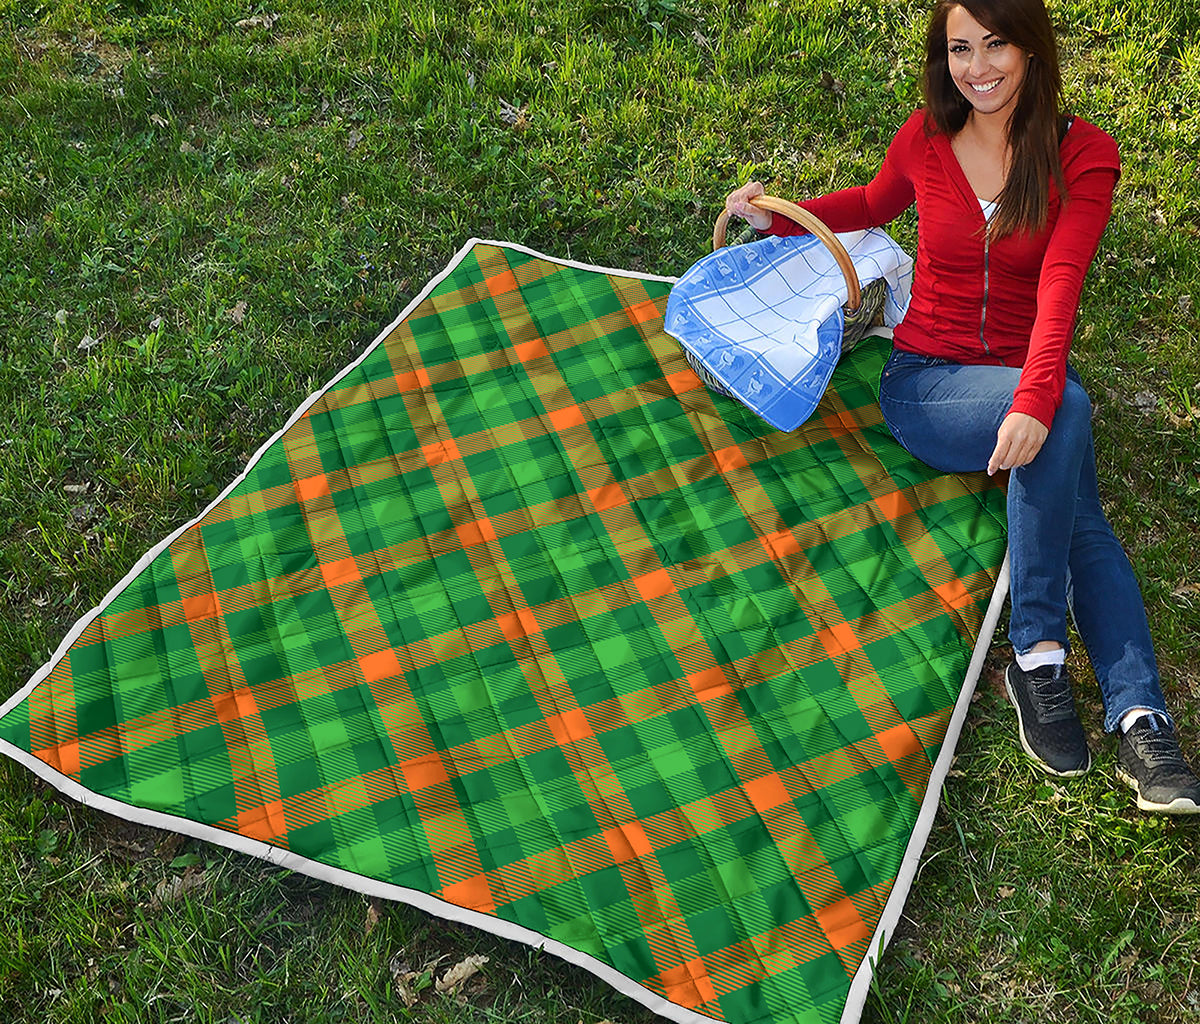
pixel 200 223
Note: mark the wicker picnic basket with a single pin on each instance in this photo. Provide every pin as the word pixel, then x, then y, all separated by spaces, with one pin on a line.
pixel 862 309
pixel 766 323
pixel 863 305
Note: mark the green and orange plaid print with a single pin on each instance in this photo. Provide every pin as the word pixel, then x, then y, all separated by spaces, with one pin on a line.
pixel 520 616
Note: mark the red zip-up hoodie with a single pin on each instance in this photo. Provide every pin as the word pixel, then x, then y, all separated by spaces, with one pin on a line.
pixel 1010 301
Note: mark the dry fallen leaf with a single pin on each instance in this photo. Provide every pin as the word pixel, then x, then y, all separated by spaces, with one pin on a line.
pixel 354 139
pixel 127 851
pixel 405 989
pixel 238 313
pixel 1005 891
pixel 158 120
pixel 170 889
pixel 1145 400
pixel 404 978
pixel 186 147
pixel 372 917
pixel 87 341
pixel 460 972
pixel 75 488
pixel 257 21
pixel 514 116
pixel 831 84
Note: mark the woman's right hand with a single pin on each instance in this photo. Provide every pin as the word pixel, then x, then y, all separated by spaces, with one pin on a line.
pixel 737 204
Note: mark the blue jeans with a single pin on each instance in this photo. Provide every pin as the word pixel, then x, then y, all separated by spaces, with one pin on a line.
pixel 1062 549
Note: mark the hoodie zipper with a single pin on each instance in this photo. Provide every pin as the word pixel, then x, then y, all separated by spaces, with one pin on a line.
pixel 983 310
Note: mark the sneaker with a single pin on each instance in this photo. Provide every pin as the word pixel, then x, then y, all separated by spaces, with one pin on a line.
pixel 1149 760
pixel 1051 732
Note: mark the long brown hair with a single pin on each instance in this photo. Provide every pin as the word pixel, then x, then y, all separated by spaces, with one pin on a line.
pixel 1036 125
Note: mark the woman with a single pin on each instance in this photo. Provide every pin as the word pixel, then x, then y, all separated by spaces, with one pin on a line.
pixel 1012 198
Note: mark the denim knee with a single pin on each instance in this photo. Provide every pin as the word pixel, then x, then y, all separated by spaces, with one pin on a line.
pixel 1075 403
pixel 1072 423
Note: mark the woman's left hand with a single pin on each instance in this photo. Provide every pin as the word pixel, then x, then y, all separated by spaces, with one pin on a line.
pixel 1018 441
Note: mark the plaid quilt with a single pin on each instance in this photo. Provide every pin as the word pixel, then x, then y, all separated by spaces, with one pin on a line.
pixel 517 622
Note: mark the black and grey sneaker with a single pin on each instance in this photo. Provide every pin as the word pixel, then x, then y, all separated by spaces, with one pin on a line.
pixel 1051 732
pixel 1149 760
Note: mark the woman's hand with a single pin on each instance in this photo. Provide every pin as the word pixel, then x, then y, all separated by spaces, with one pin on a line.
pixel 737 203
pixel 1018 441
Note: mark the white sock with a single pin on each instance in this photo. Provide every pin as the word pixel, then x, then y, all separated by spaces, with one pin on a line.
pixel 1036 659
pixel 1130 717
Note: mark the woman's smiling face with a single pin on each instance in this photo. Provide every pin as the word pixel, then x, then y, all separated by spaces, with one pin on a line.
pixel 988 70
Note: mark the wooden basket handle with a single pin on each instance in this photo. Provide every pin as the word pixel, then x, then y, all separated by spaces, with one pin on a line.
pixel 813 224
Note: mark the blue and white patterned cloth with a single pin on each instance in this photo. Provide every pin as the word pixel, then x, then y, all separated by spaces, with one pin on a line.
pixel 765 319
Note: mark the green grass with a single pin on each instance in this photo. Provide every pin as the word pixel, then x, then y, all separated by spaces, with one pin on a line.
pixel 160 167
